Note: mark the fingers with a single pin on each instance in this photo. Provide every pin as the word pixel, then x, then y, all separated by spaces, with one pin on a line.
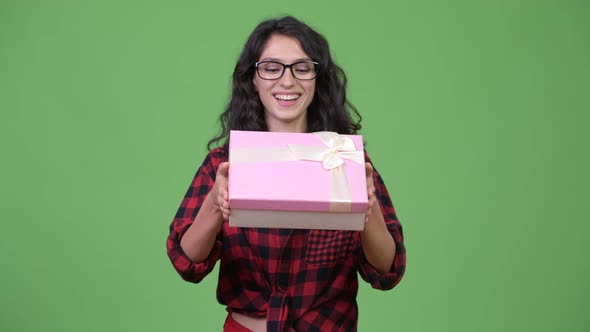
pixel 222 193
pixel 223 203
pixel 372 199
pixel 370 185
pixel 369 170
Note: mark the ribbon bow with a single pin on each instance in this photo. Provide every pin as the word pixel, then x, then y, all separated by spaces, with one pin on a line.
pixel 337 149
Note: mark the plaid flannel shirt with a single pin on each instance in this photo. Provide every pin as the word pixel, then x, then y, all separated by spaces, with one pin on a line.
pixel 301 279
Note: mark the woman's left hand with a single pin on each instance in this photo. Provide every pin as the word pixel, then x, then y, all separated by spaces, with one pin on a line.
pixel 370 191
pixel 377 242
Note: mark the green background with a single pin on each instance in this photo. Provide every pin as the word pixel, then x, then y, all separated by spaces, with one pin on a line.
pixel 475 113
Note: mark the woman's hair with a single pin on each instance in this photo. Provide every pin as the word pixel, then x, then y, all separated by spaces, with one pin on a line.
pixel 329 110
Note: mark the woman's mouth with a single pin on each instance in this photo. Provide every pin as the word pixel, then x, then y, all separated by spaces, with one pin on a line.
pixel 287 100
pixel 287 97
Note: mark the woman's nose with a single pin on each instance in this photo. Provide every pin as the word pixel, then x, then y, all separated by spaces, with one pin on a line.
pixel 287 79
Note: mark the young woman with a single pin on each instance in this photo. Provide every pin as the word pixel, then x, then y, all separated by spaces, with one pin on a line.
pixel 285 279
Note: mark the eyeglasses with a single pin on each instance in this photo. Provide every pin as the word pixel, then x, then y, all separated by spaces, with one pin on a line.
pixel 273 70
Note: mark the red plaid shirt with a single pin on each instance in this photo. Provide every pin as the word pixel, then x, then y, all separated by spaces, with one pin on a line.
pixel 304 279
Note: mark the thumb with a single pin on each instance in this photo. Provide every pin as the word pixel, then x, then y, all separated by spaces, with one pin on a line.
pixel 223 169
pixel 369 170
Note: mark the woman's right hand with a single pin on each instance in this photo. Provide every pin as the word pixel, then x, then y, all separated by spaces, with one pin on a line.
pixel 219 190
pixel 199 239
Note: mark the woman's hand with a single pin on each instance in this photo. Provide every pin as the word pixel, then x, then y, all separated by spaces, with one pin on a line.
pixel 219 190
pixel 376 240
pixel 370 190
pixel 199 238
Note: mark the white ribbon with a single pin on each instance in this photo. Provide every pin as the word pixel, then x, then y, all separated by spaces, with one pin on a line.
pixel 332 159
pixel 338 148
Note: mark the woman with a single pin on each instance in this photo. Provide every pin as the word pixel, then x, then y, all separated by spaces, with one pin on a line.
pixel 282 279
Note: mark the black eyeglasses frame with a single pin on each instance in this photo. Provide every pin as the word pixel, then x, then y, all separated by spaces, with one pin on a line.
pixel 290 66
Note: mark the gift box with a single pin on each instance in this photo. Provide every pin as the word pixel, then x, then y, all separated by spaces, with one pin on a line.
pixel 297 180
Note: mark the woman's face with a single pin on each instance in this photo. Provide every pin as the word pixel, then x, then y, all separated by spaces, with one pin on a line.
pixel 286 99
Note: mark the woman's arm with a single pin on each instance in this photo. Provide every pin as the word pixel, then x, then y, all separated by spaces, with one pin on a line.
pixel 382 258
pixel 376 240
pixel 199 238
pixel 194 243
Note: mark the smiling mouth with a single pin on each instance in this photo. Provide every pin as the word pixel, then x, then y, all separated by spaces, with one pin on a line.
pixel 287 97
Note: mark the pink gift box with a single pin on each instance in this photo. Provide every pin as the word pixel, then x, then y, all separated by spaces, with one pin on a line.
pixel 297 180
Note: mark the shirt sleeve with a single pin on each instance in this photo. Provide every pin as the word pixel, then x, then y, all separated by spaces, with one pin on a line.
pixel 200 186
pixel 388 280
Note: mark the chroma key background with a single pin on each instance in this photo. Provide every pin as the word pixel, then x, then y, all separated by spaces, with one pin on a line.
pixel 475 113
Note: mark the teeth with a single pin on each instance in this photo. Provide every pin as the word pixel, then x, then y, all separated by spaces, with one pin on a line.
pixel 287 97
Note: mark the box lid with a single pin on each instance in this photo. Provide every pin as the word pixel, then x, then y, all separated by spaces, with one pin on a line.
pixel 266 173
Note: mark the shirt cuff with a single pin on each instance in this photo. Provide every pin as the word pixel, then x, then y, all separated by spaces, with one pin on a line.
pixel 189 270
pixel 378 280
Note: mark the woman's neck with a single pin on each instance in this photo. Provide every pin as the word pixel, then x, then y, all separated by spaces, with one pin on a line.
pixel 290 127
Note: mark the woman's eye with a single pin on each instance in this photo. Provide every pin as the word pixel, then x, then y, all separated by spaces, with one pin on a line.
pixel 303 68
pixel 271 68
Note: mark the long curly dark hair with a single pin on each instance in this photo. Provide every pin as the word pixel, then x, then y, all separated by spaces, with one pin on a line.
pixel 329 110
